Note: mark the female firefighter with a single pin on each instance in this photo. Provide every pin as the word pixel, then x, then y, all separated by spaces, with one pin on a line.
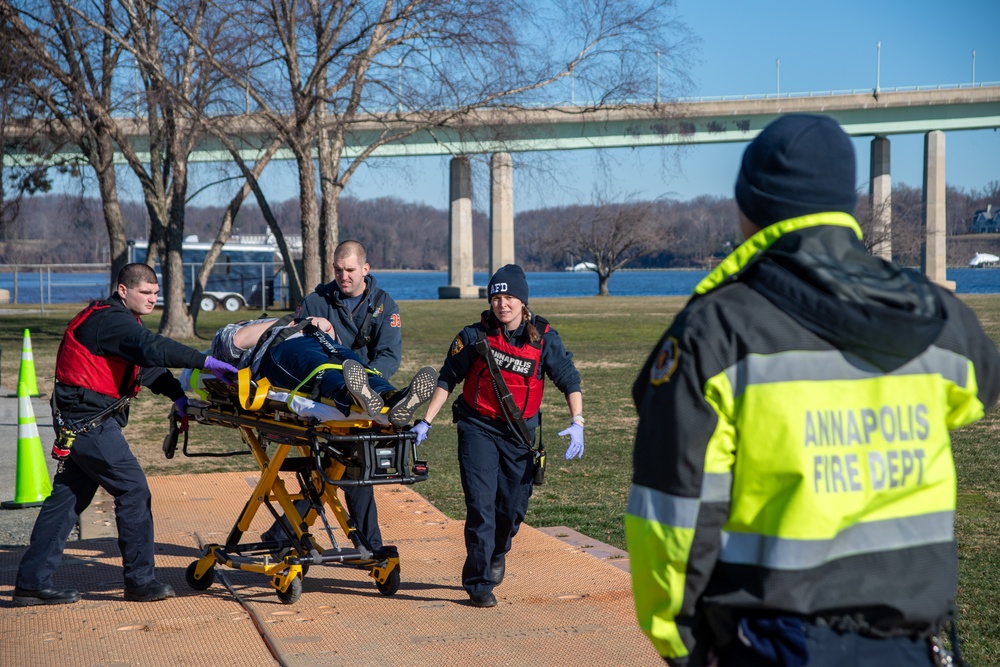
pixel 496 415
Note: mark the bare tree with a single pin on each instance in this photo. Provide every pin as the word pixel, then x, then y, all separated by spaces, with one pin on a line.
pixel 317 73
pixel 73 65
pixel 186 87
pixel 26 175
pixel 79 47
pixel 320 70
pixel 251 184
pixel 607 235
pixel 168 39
pixel 701 229
pixel 869 218
pixel 908 233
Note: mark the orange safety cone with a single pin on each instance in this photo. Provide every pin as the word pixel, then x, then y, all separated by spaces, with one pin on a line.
pixel 33 483
pixel 27 373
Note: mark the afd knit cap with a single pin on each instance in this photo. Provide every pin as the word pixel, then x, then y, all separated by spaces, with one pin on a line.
pixel 799 164
pixel 509 279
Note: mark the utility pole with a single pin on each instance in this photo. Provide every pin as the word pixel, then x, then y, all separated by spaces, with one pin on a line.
pixel 658 74
pixel 878 64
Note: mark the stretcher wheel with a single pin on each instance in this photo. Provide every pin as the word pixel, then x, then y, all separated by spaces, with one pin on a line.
pixel 293 593
pixel 206 580
pixel 290 551
pixel 391 584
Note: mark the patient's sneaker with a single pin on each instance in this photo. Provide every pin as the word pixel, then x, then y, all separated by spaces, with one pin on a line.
pixel 356 378
pixel 405 402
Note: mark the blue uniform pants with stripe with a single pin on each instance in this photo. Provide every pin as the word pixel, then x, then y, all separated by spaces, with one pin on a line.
pixel 102 458
pixel 496 478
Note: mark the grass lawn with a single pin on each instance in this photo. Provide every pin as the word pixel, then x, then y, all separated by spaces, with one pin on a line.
pixel 610 338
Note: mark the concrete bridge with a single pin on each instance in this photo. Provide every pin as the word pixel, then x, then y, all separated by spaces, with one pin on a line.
pixel 931 111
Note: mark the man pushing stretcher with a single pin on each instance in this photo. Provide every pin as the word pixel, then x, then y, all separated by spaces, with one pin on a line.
pixel 353 438
pixel 300 354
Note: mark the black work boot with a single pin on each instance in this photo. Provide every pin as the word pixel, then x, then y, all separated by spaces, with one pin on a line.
pixel 150 592
pixel 497 567
pixel 406 402
pixel 26 598
pixel 486 599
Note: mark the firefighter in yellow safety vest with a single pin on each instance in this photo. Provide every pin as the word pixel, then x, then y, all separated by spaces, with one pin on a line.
pixel 793 495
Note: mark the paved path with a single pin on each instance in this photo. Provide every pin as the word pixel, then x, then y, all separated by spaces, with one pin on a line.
pixel 557 605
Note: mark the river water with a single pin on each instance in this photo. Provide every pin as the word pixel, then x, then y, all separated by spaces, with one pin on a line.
pixel 414 285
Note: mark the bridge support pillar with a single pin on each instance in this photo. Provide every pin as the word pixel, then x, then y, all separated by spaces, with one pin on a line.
pixel 501 211
pixel 460 267
pixel 880 199
pixel 935 249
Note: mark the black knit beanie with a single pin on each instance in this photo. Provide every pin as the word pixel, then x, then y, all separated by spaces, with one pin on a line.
pixel 509 279
pixel 799 164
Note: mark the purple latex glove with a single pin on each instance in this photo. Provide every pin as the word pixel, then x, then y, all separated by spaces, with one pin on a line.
pixel 219 369
pixel 575 433
pixel 421 428
pixel 180 407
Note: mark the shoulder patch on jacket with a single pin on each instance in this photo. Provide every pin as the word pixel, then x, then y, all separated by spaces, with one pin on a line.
pixel 666 362
pixel 456 346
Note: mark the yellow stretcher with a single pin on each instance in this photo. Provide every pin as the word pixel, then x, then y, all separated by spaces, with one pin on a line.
pixel 323 456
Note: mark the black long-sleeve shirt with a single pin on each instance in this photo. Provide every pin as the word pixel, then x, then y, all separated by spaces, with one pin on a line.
pixel 115 331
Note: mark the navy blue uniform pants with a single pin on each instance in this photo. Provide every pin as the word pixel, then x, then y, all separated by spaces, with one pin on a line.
pixel 496 478
pixel 100 458
pixel 360 503
pixel 829 648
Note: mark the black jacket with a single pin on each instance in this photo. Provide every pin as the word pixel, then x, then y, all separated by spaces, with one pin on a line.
pixel 115 331
pixel 773 415
pixel 381 346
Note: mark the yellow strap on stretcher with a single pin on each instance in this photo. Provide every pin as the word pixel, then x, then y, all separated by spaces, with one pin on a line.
pixel 200 392
pixel 321 367
pixel 263 386
pixel 245 385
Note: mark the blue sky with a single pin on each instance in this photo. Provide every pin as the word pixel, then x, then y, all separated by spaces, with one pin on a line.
pixel 822 46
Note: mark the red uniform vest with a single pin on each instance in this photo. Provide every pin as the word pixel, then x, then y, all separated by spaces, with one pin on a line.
pixel 79 367
pixel 520 368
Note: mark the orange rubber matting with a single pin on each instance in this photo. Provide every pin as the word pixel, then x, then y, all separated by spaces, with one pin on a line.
pixel 557 605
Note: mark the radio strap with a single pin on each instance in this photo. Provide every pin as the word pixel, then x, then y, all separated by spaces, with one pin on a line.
pixel 509 408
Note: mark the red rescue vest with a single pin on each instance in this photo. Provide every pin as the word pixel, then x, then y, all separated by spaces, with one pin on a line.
pixel 521 369
pixel 79 367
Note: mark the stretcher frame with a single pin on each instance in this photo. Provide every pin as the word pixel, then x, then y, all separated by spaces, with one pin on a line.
pixel 323 456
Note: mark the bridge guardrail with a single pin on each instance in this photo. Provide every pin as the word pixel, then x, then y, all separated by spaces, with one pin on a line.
pixel 827 93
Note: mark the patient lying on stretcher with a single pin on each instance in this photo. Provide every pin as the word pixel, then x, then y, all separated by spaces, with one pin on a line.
pixel 292 353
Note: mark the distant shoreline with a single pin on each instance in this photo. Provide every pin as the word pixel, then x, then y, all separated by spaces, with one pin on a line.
pixel 34 269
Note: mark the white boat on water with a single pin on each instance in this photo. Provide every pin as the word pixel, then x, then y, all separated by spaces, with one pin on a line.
pixel 984 259
pixel 582 266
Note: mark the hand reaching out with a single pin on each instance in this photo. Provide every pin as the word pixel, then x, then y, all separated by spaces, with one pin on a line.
pixel 575 433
